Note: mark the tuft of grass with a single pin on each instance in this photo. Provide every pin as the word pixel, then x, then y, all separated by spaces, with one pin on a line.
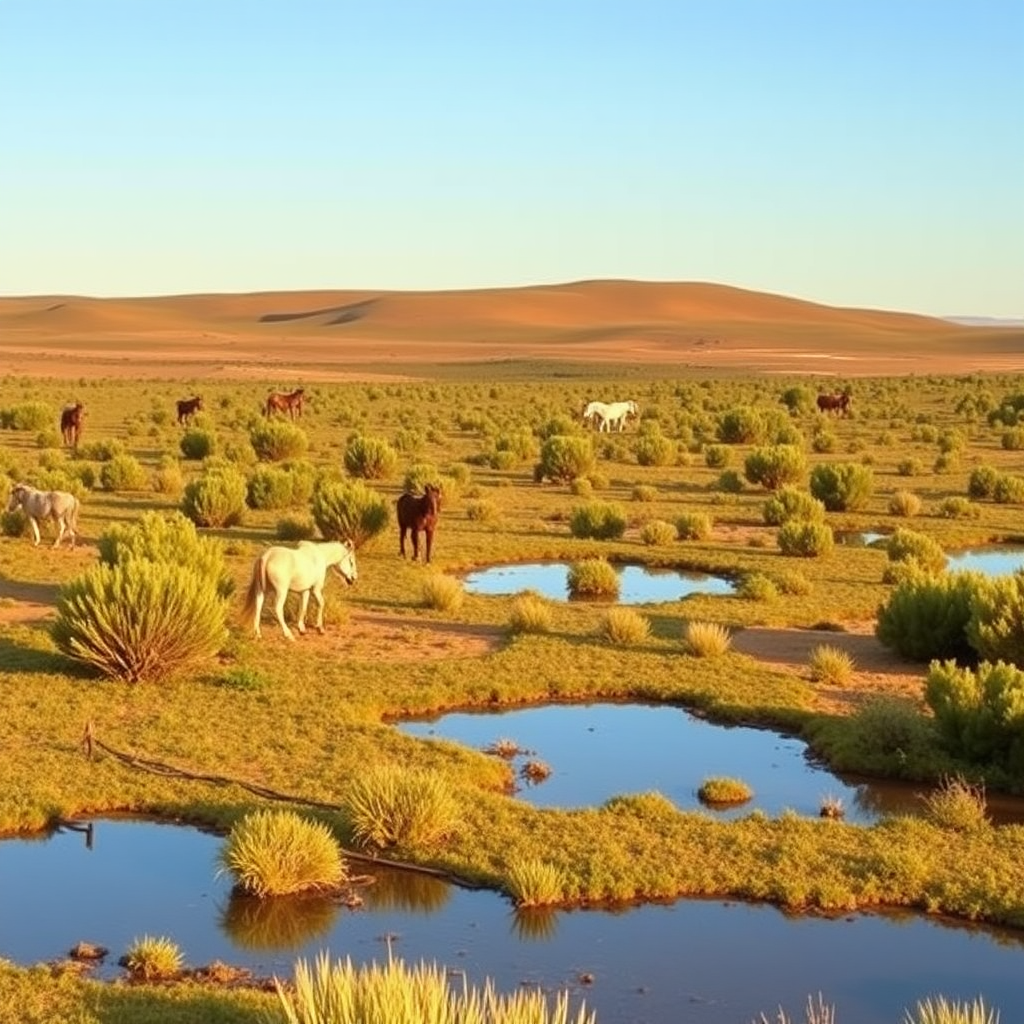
pixel 152 958
pixel 505 747
pixel 831 806
pixel 905 503
pixel 706 639
pixel 958 805
pixel 657 531
pixel 530 614
pixel 693 526
pixel 443 593
pixel 392 805
pixel 816 1012
pixel 644 492
pixel 593 577
pixel 944 1011
pixel 279 853
pixel 625 627
pixel 535 883
pixel 723 790
pixel 756 586
pixel 831 665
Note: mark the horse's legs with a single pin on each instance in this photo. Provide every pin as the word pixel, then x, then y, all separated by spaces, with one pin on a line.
pixel 401 541
pixel 318 594
pixel 60 531
pixel 415 544
pixel 428 535
pixel 35 528
pixel 303 606
pixel 259 611
pixel 280 596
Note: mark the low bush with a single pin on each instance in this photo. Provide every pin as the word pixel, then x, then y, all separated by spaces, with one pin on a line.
pixel 790 503
pixel 123 473
pixel 1009 490
pixel 645 493
pixel 168 478
pixel 830 664
pixel 724 790
pixel 706 639
pixel 295 528
pixel 564 457
pixel 535 883
pixel 278 441
pixel 717 456
pixel 842 487
pixel 996 626
pixel 982 481
pixel 756 586
pixel 625 627
pixel 443 593
pixel 910 467
pixel 905 504
pixel 600 520
pixel 370 458
pixel 483 510
pixel 198 444
pixel 803 539
pixel 742 425
pixel 280 853
pixel 693 526
pixel 775 466
pixel 217 498
pixel 958 805
pixel 349 510
pixel 940 1010
pixel 958 507
pixel 651 447
pixel 152 958
pixel 530 614
pixel 593 577
pixel 792 581
pixel 923 551
pixel 657 532
pixel 29 416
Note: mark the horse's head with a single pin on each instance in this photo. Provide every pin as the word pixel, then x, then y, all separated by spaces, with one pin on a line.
pixel 18 492
pixel 634 410
pixel 345 567
pixel 433 495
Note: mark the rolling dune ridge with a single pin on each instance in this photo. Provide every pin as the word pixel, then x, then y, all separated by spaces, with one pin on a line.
pixel 398 334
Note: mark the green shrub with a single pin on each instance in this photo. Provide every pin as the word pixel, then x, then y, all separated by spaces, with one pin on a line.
pixel 564 457
pixel 798 399
pixel 123 473
pixel 824 441
pixel 693 526
pixel 830 664
pixel 167 478
pixel 958 507
pixel 792 581
pixel 657 532
pixel 197 444
pixel 217 498
pixel 393 805
pixel 926 616
pixel 920 549
pixel 28 416
pixel 443 593
pixel 802 539
pixel 581 487
pixel 982 482
pixel 790 503
pixel 645 493
pixel 370 458
pixel 349 510
pixel 593 577
pixel 49 438
pixel 152 958
pixel 1009 490
pixel 535 883
pixel 278 441
pixel 14 523
pixel 957 805
pixel 168 538
pixel 651 447
pixel 280 853
pixel 996 626
pixel 756 586
pixel 600 520
pixel 892 733
pixel 102 451
pixel 271 487
pixel 910 467
pixel 905 504
pixel 742 425
pixel 624 627
pixel 483 510
pixel 140 620
pixel 775 466
pixel 295 528
pixel 530 614
pixel 730 482
pixel 717 456
pixel 721 790
pixel 842 487
pixel 706 639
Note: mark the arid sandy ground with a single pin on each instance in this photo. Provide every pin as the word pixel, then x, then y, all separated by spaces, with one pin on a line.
pixel 335 336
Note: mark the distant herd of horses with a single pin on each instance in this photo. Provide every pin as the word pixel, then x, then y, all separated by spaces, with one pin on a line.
pixel 302 570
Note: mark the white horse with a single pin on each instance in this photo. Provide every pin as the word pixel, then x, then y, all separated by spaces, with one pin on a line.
pixel 302 571
pixel 59 506
pixel 609 416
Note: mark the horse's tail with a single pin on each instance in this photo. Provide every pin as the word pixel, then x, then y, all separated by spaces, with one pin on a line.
pixel 257 585
pixel 72 519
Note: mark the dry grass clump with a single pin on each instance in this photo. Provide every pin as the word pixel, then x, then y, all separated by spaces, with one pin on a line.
pixel 905 503
pixel 279 853
pixel 505 748
pixel 724 790
pixel 706 639
pixel 816 1012
pixel 958 805
pixel 530 614
pixel 831 664
pixel 941 1010
pixel 535 883
pixel 656 532
pixel 593 577
pixel 625 627
pixel 535 771
pixel 442 593
pixel 152 959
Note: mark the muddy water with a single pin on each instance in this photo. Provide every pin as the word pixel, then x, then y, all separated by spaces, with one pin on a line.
pixel 597 751
pixel 637 584
pixel 688 962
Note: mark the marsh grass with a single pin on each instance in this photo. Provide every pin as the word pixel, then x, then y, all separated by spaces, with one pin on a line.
pixel 624 627
pixel 657 531
pixel 152 958
pixel 392 805
pixel 392 993
pixel 442 593
pixel 706 639
pixel 592 577
pixel 958 805
pixel 721 789
pixel 940 1010
pixel 831 664
pixel 817 1011
pixel 280 853
pixel 530 614
pixel 535 883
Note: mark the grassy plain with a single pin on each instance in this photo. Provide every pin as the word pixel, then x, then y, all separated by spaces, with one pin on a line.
pixel 307 718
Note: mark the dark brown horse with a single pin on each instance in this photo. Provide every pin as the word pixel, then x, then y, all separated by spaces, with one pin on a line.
pixel 418 513
pixel 834 403
pixel 71 423
pixel 187 408
pixel 289 403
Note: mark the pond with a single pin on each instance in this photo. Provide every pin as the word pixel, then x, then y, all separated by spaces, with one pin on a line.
pixel 992 561
pixel 597 751
pixel 702 961
pixel 638 584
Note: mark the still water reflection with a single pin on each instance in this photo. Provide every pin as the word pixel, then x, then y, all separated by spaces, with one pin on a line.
pixel 999 561
pixel 695 961
pixel 638 584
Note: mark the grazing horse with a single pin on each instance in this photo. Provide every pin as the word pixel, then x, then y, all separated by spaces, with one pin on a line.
pixel 609 416
pixel 416 513
pixel 59 506
pixel 834 403
pixel 290 403
pixel 187 408
pixel 71 423
pixel 302 571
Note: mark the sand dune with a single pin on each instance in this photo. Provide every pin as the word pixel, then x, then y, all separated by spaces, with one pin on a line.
pixel 331 332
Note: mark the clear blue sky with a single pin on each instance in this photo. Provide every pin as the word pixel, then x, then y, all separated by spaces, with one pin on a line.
pixel 852 152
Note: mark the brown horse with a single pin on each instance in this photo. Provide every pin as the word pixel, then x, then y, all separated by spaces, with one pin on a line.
pixel 289 403
pixel 416 513
pixel 187 408
pixel 71 423
pixel 834 403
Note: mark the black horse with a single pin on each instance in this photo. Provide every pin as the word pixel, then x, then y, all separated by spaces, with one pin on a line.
pixel 71 423
pixel 834 403
pixel 188 407
pixel 416 513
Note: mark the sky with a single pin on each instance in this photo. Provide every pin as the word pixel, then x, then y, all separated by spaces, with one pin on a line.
pixel 863 153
